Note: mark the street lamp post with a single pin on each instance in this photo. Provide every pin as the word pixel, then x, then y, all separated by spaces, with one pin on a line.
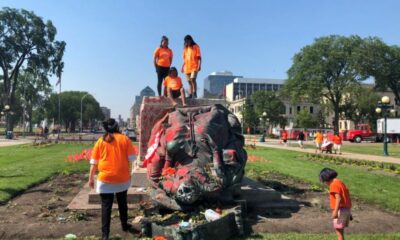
pixel 384 107
pixel 82 111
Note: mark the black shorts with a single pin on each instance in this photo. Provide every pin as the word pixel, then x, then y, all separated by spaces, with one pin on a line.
pixel 176 93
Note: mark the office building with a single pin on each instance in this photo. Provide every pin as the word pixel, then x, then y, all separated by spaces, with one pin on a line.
pixel 214 84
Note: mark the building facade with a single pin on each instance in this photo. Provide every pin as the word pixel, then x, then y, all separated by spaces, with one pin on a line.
pixel 106 112
pixel 215 83
pixel 245 87
pixel 135 109
pixel 242 88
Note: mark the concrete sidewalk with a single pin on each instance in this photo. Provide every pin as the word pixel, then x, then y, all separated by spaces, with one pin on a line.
pixel 274 143
pixel 8 142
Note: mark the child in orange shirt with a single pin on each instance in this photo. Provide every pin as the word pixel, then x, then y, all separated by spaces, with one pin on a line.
pixel 337 143
pixel 173 87
pixel 191 63
pixel 339 199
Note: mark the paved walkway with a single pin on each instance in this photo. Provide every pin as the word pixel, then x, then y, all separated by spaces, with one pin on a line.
pixel 8 142
pixel 274 143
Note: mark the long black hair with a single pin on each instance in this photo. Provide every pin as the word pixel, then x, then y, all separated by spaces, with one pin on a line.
pixel 111 127
pixel 191 42
pixel 162 39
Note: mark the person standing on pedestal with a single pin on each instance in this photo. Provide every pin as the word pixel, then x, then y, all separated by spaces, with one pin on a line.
pixel 162 61
pixel 191 63
pixel 111 157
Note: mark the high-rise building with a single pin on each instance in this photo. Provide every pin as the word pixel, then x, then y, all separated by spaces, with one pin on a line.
pixel 214 84
pixel 135 109
pixel 106 112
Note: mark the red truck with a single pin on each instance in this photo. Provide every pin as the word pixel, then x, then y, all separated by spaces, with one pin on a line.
pixel 363 132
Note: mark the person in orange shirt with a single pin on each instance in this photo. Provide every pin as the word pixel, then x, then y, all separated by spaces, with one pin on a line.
pixel 191 63
pixel 339 199
pixel 337 143
pixel 284 137
pixel 318 139
pixel 111 157
pixel 162 61
pixel 173 87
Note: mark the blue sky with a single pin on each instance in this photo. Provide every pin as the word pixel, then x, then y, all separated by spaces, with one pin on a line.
pixel 110 43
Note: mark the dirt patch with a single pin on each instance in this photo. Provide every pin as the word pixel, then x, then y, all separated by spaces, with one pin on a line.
pixel 41 212
pixel 313 216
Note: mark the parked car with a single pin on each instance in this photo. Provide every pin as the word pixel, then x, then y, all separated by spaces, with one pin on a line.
pixel 131 134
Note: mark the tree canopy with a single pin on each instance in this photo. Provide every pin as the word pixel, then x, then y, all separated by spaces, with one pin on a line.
pixel 71 109
pixel 383 63
pixel 269 102
pixel 323 71
pixel 26 42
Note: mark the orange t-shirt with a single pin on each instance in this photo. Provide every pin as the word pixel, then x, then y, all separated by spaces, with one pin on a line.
pixel 174 83
pixel 112 158
pixel 318 137
pixel 284 135
pixel 163 56
pixel 191 56
pixel 337 139
pixel 338 186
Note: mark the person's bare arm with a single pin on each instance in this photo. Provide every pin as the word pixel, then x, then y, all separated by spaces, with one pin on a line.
pixel 199 67
pixel 338 199
pixel 92 172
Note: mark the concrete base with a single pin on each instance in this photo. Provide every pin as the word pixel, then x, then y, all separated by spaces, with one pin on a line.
pixel 81 200
pixel 135 195
pixel 255 193
pixel 139 178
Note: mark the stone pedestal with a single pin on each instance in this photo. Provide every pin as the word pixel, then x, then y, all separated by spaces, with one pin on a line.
pixel 154 108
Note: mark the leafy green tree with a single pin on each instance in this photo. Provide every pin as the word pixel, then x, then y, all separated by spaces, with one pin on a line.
pixel 250 117
pixel 357 105
pixel 383 63
pixel 26 41
pixel 323 71
pixel 304 119
pixel 71 109
pixel 33 92
pixel 269 102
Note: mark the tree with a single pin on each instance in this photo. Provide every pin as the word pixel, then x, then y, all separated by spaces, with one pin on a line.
pixel 33 93
pixel 71 109
pixel 357 105
pixel 324 70
pixel 383 63
pixel 250 118
pixel 269 102
pixel 304 119
pixel 26 42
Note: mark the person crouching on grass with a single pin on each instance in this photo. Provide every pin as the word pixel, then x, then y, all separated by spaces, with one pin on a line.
pixel 111 156
pixel 173 87
pixel 339 199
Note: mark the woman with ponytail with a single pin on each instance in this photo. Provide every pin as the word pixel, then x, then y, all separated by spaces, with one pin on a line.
pixel 111 157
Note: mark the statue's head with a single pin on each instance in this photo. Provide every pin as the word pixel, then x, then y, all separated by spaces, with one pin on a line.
pixel 187 192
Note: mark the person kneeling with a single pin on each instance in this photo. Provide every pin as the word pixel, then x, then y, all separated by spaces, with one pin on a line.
pixel 173 87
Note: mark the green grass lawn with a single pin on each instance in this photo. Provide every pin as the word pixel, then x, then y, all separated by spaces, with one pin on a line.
pixel 361 148
pixel 24 166
pixel 297 236
pixel 372 148
pixel 372 187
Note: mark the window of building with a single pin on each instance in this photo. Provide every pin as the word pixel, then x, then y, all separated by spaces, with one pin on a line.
pixel 290 110
pixel 311 109
pixel 298 108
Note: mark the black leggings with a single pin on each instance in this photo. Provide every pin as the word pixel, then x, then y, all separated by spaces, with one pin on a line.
pixel 162 72
pixel 107 200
